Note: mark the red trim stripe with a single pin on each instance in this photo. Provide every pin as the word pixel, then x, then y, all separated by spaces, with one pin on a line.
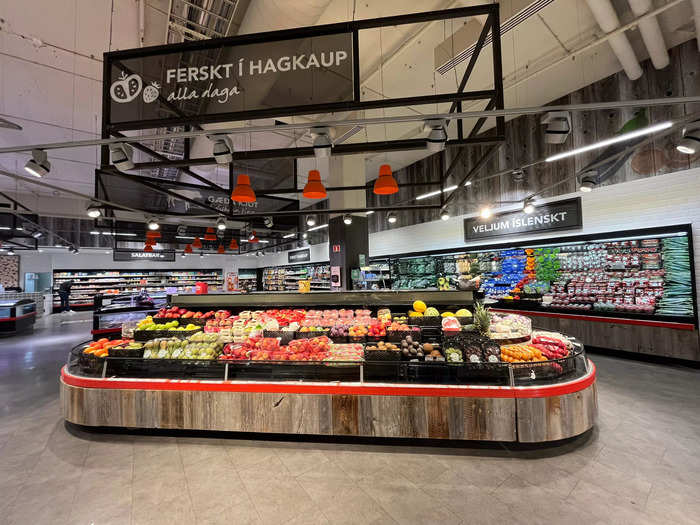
pixel 614 320
pixel 106 330
pixel 7 319
pixel 364 389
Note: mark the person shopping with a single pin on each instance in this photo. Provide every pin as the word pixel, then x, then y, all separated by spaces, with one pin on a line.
pixel 64 294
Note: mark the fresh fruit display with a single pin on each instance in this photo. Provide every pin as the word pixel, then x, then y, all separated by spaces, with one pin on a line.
pixel 463 312
pixel 677 296
pixel 101 347
pixel 148 324
pixel 198 346
pixel 376 330
pixel 419 306
pixel 412 349
pixel 431 312
pixel 338 331
pixel 482 319
pixel 451 324
pixel 177 313
pixel 357 331
pixel 345 352
pixel 521 353
pixel 453 355
pixel 509 326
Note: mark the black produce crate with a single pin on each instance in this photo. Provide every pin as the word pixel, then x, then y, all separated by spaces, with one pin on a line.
pixel 431 334
pixel 284 335
pixel 376 338
pixel 382 355
pixel 182 321
pixel 90 364
pixel 146 335
pixel 311 335
pixel 465 320
pixel 293 371
pixel 427 320
pixel 117 351
pixel 166 368
pixel 340 339
pixel 357 339
pixel 396 336
pixel 385 371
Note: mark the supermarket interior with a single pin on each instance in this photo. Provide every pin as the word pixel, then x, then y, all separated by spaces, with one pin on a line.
pixel 329 261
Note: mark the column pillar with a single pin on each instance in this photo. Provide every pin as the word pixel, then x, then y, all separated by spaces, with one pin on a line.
pixel 346 242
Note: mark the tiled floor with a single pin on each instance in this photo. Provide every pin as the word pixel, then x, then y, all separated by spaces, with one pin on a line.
pixel 641 465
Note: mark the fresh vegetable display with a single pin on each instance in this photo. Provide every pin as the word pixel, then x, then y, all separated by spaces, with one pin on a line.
pixel 677 296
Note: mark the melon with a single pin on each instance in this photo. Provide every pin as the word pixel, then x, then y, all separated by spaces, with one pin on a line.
pixel 419 306
pixel 412 313
pixel 463 312
pixel 432 312
pixel 448 314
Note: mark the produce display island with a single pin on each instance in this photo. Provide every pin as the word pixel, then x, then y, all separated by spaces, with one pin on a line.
pixel 398 371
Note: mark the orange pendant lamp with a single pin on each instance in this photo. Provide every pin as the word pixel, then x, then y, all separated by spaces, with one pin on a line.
pixel 221 249
pixel 151 242
pixel 386 183
pixel 243 192
pixel 148 248
pixel 152 234
pixel 197 243
pixel 314 188
pixel 254 237
pixel 188 248
pixel 210 235
pixel 233 245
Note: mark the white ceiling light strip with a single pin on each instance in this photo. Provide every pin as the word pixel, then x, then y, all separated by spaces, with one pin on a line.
pixel 434 193
pixel 613 140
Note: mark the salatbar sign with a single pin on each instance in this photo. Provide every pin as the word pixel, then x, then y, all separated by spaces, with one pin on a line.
pixel 230 78
pixel 299 256
pixel 137 255
pixel 562 215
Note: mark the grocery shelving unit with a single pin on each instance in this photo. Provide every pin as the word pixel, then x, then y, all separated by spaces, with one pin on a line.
pixel 375 276
pixel 286 278
pixel 119 283
pixel 248 278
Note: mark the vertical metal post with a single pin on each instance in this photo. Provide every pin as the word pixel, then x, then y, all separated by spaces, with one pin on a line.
pixel 104 368
pixel 497 66
pixel 226 372
pixel 362 373
pixel 511 377
pixel 356 65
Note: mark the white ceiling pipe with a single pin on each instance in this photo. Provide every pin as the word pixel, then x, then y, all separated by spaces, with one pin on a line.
pixel 696 15
pixel 651 34
pixel 607 19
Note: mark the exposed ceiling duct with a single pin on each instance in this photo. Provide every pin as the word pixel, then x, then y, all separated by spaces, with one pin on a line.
pixel 606 17
pixel 651 33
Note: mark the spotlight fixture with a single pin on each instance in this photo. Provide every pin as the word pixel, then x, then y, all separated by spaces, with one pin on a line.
pixel 486 212
pixel 391 217
pixel 690 143
pixel 529 205
pixel 122 156
pixel 153 224
pixel 183 255
pixel 37 234
pixel 221 223
pixel 445 215
pixel 243 192
pixel 258 254
pixel 11 251
pixel 93 210
pixel 322 141
pixel 311 220
pixel 347 219
pixel 587 184
pixel 305 235
pixel 269 222
pixel 468 183
pixel 558 126
pixel 181 230
pixel 39 164
pixel 201 254
pixel 222 149
pixel 437 136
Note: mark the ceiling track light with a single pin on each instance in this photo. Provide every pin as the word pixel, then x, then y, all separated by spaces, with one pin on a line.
pixel 690 142
pixel 436 192
pixel 588 184
pixel 269 222
pixel 437 136
pixel 347 219
pixel 311 220
pixel 222 148
pixel 221 223
pixel 445 215
pixel 153 224
pixel 305 235
pixel 122 156
pixel 39 164
pixel 93 210
pixel 529 205
pixel 321 141
pixel 37 234
pixel 391 217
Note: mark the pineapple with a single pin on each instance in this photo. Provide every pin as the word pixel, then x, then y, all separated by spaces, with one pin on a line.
pixel 481 319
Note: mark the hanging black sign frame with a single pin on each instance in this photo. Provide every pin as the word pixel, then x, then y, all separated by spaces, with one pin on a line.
pixel 130 85
pixel 299 256
pixel 559 215
pixel 140 255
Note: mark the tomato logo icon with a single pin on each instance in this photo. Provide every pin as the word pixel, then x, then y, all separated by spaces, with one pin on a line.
pixel 126 88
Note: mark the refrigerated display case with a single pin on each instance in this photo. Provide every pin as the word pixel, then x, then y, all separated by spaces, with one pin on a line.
pixel 16 315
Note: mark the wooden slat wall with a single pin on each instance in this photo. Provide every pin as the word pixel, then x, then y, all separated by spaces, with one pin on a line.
pixel 525 143
pixel 488 419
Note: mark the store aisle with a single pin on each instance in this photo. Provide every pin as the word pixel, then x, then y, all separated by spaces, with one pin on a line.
pixel 642 464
